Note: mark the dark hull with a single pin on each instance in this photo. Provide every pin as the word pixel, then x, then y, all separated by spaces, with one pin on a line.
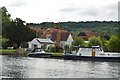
pixel 90 58
pixel 40 55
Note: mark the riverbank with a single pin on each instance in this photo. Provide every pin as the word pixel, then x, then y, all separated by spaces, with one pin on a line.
pixel 22 52
pixel 7 50
pixel 17 52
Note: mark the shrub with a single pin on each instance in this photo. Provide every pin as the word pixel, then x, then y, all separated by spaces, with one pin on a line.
pixel 24 44
pixel 77 42
pixel 53 49
pixel 114 43
pixel 93 41
pixel 66 47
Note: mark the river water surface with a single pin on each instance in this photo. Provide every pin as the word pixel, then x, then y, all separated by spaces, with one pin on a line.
pixel 28 67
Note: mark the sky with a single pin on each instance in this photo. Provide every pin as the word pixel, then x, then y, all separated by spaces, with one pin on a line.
pixel 38 11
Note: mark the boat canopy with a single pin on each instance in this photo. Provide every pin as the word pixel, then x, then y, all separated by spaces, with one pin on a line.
pixel 86 47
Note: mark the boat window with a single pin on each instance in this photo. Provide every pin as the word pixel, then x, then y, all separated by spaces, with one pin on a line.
pixel 38 50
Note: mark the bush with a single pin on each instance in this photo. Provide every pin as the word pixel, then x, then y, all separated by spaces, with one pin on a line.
pixel 43 47
pixel 78 42
pixel 53 49
pixel 24 44
pixel 114 43
pixel 5 42
pixel 66 47
pixel 93 41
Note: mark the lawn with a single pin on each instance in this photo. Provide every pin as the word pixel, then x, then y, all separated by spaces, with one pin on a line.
pixel 7 50
pixel 57 52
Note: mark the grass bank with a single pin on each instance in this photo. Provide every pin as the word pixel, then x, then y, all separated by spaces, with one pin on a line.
pixel 6 50
pixel 57 52
pixel 21 52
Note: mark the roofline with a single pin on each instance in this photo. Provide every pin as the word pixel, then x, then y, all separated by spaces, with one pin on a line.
pixel 44 42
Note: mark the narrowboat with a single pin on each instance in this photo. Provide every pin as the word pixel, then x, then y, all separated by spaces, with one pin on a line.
pixel 94 53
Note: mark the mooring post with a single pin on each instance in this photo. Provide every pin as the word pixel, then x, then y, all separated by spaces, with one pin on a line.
pixel 93 52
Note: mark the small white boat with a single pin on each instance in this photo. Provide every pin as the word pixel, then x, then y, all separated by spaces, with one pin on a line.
pixel 91 53
pixel 38 52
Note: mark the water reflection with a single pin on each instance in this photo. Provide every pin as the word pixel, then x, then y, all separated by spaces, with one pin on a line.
pixel 26 67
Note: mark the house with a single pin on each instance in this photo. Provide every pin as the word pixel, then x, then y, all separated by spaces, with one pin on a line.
pixel 58 36
pixel 85 35
pixel 39 43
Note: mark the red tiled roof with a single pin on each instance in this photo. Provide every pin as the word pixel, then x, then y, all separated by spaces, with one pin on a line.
pixel 56 34
pixel 87 34
pixel 59 36
pixel 52 29
pixel 90 34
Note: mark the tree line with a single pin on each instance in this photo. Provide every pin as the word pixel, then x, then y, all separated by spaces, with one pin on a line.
pixel 104 27
pixel 113 44
pixel 15 32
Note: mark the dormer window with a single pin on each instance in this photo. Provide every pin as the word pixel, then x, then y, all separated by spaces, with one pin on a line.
pixel 48 36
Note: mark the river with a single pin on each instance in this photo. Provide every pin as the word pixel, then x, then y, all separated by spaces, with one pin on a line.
pixel 28 67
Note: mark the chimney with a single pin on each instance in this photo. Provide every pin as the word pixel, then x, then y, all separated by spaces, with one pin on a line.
pixel 58 36
pixel 58 39
pixel 57 25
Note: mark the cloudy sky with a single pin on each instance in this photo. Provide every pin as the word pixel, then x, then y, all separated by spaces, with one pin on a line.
pixel 38 11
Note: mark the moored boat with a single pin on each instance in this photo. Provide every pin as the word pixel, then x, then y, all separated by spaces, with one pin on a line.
pixel 38 52
pixel 94 53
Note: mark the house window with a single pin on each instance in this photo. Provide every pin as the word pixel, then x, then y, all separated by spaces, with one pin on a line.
pixel 48 36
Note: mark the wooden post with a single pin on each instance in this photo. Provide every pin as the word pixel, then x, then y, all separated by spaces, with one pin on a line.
pixel 93 52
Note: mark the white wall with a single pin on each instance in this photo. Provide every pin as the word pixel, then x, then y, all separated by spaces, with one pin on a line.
pixel 35 42
pixel 32 43
pixel 69 40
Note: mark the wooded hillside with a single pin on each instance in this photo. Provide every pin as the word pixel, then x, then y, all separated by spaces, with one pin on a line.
pixel 105 27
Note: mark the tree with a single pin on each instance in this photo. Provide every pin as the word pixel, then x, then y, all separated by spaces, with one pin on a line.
pixel 66 47
pixel 6 21
pixel 93 41
pixel 114 43
pixel 77 42
pixel 24 44
pixel 17 32
pixel 4 42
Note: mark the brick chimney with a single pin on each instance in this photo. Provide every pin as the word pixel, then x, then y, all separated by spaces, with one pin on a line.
pixel 58 39
pixel 57 26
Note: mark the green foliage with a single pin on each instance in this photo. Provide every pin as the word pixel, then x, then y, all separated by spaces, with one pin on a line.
pixel 7 50
pixel 4 42
pixel 85 45
pixel 104 27
pixel 53 49
pixel 43 47
pixel 6 21
pixel 24 44
pixel 15 30
pixel 106 36
pixel 66 47
pixel 114 43
pixel 93 41
pixel 78 42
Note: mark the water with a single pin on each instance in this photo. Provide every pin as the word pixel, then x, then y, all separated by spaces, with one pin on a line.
pixel 28 67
